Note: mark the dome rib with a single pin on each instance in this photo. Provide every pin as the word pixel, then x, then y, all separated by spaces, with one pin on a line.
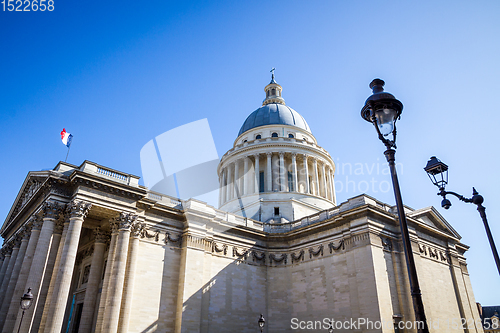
pixel 274 114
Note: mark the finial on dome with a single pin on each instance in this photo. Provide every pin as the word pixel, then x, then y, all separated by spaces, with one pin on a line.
pixel 272 76
pixel 273 91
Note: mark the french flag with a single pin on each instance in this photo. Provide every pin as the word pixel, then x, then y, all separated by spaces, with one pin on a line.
pixel 66 137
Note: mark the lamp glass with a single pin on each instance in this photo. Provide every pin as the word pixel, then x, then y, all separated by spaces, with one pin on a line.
pixel 385 120
pixel 25 303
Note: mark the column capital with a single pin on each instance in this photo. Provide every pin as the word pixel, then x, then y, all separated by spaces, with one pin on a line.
pixel 51 209
pixel 25 232
pixel 78 208
pixel 17 241
pixel 269 154
pixel 294 155
pixel 59 226
pixel 137 228
pixel 315 160
pixel 305 157
pixel 281 153
pixel 256 155
pixel 124 221
pixel 36 223
pixel 100 235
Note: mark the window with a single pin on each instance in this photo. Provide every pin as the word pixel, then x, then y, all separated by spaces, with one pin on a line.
pixel 291 136
pixel 245 141
pixel 276 211
pixel 258 136
pixel 274 135
pixel 290 182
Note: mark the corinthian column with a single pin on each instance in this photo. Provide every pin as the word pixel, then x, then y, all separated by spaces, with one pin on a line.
pixel 315 174
pixel 93 282
pixel 133 251
pixel 50 306
pixel 256 173
pixel 9 299
pixel 295 182
pixel 78 211
pixel 306 173
pixel 269 175
pixel 6 253
pixel 236 180
pixel 282 171
pixel 16 243
pixel 229 186
pixel 108 272
pixel 245 176
pixel 51 211
pixel 112 313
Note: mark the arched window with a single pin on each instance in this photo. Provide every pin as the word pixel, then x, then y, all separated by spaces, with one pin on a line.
pixel 274 135
pixel 291 136
pixel 258 136
pixel 245 141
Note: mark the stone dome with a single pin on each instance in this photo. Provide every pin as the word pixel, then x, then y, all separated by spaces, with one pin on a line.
pixel 274 114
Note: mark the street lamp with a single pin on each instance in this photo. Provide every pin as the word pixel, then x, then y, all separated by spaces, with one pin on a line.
pixel 438 174
pixel 383 110
pixel 261 322
pixel 26 301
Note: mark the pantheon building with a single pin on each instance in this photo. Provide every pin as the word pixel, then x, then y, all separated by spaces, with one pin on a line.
pixel 102 253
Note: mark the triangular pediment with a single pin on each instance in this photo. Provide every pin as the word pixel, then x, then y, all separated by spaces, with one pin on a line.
pixel 430 217
pixel 34 182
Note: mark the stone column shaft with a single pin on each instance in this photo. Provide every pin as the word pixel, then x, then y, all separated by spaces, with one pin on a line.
pixel 282 172
pixel 245 176
pixel 229 186
pixel 52 286
pixel 78 212
pixel 2 270
pixel 47 277
pixel 236 183
pixel 5 264
pixel 306 173
pixel 9 293
pixel 315 174
pixel 325 191
pixel 93 283
pixel 37 271
pixel 332 186
pixel 8 274
pixel 133 252
pixel 107 276
pixel 112 313
pixel 295 176
pixel 257 173
pixel 269 176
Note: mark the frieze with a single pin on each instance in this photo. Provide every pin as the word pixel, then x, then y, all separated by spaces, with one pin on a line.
pixel 316 253
pixel 298 257
pixel 261 257
pixel 336 248
pixel 218 249
pixel 277 259
pixel 433 253
pixel 171 239
pixel 240 253
pixel 106 188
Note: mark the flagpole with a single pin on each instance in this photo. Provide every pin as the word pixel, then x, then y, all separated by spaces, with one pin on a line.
pixel 67 153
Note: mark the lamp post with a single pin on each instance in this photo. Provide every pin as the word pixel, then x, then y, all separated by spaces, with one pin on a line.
pixel 438 174
pixel 261 322
pixel 26 301
pixel 383 110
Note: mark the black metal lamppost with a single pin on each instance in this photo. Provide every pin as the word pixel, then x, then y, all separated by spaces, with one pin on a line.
pixel 261 322
pixel 26 301
pixel 438 174
pixel 383 110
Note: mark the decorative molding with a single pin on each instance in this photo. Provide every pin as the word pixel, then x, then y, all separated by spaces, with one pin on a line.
pixel 169 238
pixel 386 243
pixel 155 234
pixel 100 236
pixel 317 252
pixel 240 254
pixel 125 221
pixel 261 257
pixel 298 257
pixel 336 248
pixel 217 249
pixel 275 258
pixel 78 208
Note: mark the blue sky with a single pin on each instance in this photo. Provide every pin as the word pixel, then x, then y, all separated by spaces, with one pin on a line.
pixel 115 74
